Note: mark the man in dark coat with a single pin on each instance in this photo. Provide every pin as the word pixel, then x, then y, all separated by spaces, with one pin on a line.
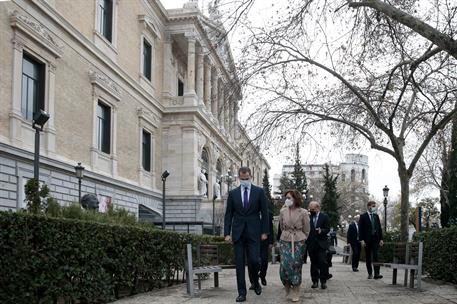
pixel 354 242
pixel 317 245
pixel 370 233
pixel 245 225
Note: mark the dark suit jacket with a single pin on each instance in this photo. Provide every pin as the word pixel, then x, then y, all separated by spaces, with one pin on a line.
pixel 239 220
pixel 352 234
pixel 316 241
pixel 270 226
pixel 365 229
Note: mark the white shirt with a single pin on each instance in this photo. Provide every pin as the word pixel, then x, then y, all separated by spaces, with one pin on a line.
pixel 242 193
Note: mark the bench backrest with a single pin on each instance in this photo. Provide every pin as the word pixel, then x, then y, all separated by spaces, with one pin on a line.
pixel 407 253
pixel 208 255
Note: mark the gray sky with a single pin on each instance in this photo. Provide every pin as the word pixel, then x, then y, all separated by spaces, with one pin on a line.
pixel 382 167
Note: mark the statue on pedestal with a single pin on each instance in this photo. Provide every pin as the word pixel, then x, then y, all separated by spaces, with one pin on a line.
pixel 203 183
pixel 217 189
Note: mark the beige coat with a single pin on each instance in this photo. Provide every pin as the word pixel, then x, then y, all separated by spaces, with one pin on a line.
pixel 294 224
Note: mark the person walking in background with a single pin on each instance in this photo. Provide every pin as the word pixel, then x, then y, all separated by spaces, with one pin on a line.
pixel 318 244
pixel 245 225
pixel 294 224
pixel 354 241
pixel 333 239
pixel 370 235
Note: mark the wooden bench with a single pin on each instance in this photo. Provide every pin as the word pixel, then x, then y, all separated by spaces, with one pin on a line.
pixel 346 254
pixel 407 256
pixel 210 254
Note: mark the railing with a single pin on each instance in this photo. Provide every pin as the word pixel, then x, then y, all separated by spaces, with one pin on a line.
pixel 190 227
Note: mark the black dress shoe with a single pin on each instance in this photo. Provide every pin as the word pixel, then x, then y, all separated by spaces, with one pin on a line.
pixel 355 269
pixel 258 289
pixel 315 285
pixel 377 276
pixel 370 276
pixel 241 299
pixel 252 287
pixel 263 281
pixel 329 276
pixel 324 285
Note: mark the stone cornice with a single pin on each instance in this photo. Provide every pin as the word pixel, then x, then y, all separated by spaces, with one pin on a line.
pixel 105 83
pixel 36 31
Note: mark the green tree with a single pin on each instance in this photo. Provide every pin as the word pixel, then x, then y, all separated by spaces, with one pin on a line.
pixel 285 183
pixel 298 175
pixel 330 199
pixel 266 186
pixel 36 197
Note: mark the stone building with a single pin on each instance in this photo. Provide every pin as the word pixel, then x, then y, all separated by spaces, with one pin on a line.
pixel 352 181
pixel 132 89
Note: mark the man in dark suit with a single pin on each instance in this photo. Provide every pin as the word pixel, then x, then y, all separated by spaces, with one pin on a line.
pixel 317 245
pixel 246 218
pixel 353 240
pixel 370 235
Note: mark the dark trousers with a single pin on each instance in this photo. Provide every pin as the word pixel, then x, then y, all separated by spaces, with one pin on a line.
pixel 263 262
pixel 355 246
pixel 334 240
pixel 319 265
pixel 246 247
pixel 371 256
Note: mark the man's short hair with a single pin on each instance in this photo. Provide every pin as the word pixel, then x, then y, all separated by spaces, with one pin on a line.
pixel 371 203
pixel 244 170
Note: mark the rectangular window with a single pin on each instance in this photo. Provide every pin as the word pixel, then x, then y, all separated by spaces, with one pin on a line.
pixel 103 128
pixel 146 151
pixel 147 59
pixel 180 87
pixel 33 79
pixel 105 18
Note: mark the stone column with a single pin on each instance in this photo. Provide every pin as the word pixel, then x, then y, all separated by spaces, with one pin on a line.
pixel 200 75
pixel 167 68
pixel 221 104
pixel 190 88
pixel 207 95
pixel 230 122
pixel 227 114
pixel 234 106
pixel 215 95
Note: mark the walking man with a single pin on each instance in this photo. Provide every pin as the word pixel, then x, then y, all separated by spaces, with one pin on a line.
pixel 370 233
pixel 246 219
pixel 353 240
pixel 318 244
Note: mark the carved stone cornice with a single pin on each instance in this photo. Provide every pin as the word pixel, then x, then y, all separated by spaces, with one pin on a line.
pixel 105 83
pixel 148 24
pixel 148 117
pixel 36 31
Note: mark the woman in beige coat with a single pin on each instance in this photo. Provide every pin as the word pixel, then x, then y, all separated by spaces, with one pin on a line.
pixel 294 224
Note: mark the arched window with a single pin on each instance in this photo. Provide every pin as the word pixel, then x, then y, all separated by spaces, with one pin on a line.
pixel 352 175
pixel 205 166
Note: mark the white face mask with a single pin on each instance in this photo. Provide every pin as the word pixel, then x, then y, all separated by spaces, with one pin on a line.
pixel 245 183
pixel 373 209
pixel 289 202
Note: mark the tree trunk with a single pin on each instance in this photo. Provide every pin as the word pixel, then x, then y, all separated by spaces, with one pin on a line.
pixel 404 203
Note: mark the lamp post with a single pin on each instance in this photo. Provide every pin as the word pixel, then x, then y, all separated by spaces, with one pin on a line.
pixel 39 120
pixel 164 176
pixel 385 192
pixel 79 174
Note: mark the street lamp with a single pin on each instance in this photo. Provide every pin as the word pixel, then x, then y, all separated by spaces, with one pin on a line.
pixel 79 174
pixel 385 192
pixel 39 120
pixel 164 176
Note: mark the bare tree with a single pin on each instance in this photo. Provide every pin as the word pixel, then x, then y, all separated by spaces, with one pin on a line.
pixel 363 75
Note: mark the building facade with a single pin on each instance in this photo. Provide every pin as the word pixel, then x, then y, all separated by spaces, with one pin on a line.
pixel 352 181
pixel 132 89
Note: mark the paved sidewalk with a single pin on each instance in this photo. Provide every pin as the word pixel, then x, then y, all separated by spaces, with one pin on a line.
pixel 346 287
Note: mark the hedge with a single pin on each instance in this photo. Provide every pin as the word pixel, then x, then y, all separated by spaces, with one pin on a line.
pixel 50 260
pixel 440 253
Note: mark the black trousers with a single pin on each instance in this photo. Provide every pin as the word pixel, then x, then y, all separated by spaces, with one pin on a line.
pixel 355 246
pixel 371 256
pixel 250 249
pixel 319 264
pixel 264 246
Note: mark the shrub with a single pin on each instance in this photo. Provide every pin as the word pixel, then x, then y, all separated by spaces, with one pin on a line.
pixel 47 259
pixel 440 253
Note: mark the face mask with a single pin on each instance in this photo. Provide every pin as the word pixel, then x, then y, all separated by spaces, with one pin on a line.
pixel 373 209
pixel 289 202
pixel 313 213
pixel 245 183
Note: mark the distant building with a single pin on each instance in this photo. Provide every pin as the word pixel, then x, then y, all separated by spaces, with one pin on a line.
pixel 352 181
